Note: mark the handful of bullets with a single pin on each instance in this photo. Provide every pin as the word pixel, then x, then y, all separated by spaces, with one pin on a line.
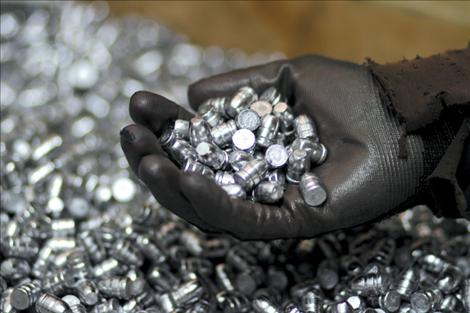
pixel 252 146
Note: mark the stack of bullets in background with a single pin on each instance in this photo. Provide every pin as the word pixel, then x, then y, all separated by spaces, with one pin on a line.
pixel 78 234
pixel 220 142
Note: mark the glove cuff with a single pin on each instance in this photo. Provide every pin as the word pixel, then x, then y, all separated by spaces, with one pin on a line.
pixel 443 191
pixel 419 90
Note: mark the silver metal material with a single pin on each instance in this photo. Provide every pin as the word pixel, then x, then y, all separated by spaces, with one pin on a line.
pixel 238 159
pixel 187 292
pixel 14 269
pixel 123 189
pixel 192 242
pixel 234 191
pixel 21 247
pixel 319 153
pixel 62 227
pixel 425 301
pixel 224 178
pixel 87 292
pixel 218 103
pixel 276 176
pixel 327 273
pixel 356 302
pixel 77 207
pixel 251 174
pixel 262 108
pixel 210 114
pixel 276 156
pixel 222 134
pixel 299 163
pixel 466 294
pixel 390 301
pixel 247 282
pixel 120 287
pixel 40 173
pixel 244 139
pixel 25 295
pixel 74 304
pixel 407 282
pixel 5 302
pixel 312 302
pixel 85 180
pixel 248 119
pixel 305 128
pixel 312 191
pixel 342 307
pixel 150 249
pixel 263 304
pixel 212 156
pixel 223 278
pixel 46 147
pixel 93 246
pixel 271 95
pixel 450 279
pixel 125 252
pixel 182 151
pixel 181 129
pixel 266 133
pixel 286 117
pixel 109 306
pixel 240 100
pixel 268 192
pixel 48 303
pixel 371 284
pixel 199 131
pixel 192 166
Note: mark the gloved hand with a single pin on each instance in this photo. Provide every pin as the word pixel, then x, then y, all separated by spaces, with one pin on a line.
pixel 363 174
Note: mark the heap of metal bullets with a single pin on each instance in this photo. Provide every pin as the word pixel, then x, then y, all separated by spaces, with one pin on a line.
pixel 252 146
pixel 79 234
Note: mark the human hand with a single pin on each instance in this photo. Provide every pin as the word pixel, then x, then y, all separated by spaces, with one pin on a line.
pixel 364 176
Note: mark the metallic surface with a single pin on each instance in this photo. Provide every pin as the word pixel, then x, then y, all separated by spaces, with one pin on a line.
pixel 248 119
pixel 251 174
pixel 312 191
pixel 211 155
pixel 267 131
pixel 262 108
pixel 276 156
pixel 299 163
pixel 305 128
pixel 268 192
pixel 67 72
pixel 244 140
pixel 240 100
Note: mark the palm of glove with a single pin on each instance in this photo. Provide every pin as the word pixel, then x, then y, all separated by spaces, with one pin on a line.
pixel 363 175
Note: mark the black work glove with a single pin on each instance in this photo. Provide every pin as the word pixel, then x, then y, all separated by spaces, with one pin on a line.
pixel 363 174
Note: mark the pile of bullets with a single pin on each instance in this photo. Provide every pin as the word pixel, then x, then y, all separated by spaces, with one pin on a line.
pixel 145 260
pixel 79 234
pixel 251 146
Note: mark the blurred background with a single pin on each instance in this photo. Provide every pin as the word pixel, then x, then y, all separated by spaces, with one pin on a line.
pixel 351 30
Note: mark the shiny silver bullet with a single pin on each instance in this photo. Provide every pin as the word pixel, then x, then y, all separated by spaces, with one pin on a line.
pixel 248 119
pixel 244 139
pixel 268 192
pixel 298 164
pixel 311 189
pixel 276 156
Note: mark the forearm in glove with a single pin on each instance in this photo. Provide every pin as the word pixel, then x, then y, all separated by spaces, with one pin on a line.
pixel 422 91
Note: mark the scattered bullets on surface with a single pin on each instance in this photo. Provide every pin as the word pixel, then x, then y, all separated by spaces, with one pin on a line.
pixel 245 138
pixel 80 235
